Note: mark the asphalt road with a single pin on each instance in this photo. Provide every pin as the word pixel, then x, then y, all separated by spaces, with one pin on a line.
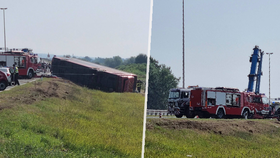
pixel 22 82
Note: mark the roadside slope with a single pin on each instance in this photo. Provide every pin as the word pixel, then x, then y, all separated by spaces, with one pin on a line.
pixel 56 118
pixel 212 138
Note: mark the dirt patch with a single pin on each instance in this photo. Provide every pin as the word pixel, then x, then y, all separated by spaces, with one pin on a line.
pixel 38 91
pixel 222 127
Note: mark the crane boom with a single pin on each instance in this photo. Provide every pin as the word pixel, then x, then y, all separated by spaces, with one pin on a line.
pixel 258 81
pixel 255 59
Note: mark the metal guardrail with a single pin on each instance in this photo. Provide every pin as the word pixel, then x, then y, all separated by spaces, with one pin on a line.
pixel 156 112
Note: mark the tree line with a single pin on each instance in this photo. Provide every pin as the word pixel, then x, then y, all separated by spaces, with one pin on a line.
pixel 117 61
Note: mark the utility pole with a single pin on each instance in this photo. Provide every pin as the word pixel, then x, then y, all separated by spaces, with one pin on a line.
pixel 4 27
pixel 269 75
pixel 183 49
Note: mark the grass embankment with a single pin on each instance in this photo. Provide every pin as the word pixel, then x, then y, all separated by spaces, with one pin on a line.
pixel 56 118
pixel 212 138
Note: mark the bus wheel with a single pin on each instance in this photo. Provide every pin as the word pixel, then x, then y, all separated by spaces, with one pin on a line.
pixel 2 86
pixel 30 74
pixel 220 114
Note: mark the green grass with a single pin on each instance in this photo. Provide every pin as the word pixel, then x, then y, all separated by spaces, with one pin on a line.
pixel 164 142
pixel 90 123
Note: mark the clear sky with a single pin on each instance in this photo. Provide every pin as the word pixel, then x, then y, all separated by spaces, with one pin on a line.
pixel 219 39
pixel 94 28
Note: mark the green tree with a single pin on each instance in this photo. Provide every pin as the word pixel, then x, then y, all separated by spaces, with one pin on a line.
pixel 113 62
pixel 161 80
pixel 99 60
pixel 141 58
pixel 130 60
pixel 117 61
pixel 86 58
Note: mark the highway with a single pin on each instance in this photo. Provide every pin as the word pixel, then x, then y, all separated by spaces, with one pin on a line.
pixel 24 81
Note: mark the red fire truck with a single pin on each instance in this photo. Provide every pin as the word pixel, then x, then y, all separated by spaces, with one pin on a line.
pixel 219 102
pixel 223 102
pixel 26 61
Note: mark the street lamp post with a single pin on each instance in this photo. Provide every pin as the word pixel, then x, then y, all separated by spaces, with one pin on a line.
pixel 269 75
pixel 183 46
pixel 4 27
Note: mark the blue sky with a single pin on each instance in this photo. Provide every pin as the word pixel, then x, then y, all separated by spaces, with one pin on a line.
pixel 219 38
pixel 84 28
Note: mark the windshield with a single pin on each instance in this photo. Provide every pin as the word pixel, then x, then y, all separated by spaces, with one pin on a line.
pixel 37 60
pixel 174 94
pixel 265 100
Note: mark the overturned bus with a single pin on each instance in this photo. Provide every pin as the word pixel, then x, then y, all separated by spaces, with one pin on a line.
pixel 93 75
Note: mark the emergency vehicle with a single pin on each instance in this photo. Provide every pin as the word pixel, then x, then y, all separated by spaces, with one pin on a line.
pixel 26 61
pixel 178 101
pixel 221 102
pixel 3 81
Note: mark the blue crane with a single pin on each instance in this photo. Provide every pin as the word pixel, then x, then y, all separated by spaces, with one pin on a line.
pixel 255 59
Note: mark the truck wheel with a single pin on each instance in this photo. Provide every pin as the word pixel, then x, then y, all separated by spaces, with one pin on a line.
pixel 201 115
pixel 179 116
pixel 30 74
pixel 250 116
pixel 2 86
pixel 245 114
pixel 190 115
pixel 278 114
pixel 220 114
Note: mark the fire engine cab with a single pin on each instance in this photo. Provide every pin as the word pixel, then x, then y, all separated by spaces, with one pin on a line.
pixel 178 101
pixel 26 61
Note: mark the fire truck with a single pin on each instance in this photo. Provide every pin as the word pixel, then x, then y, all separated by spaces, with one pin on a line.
pixel 27 62
pixel 178 101
pixel 221 102
pixel 224 102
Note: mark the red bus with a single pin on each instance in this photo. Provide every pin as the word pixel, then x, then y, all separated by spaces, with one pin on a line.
pixel 93 75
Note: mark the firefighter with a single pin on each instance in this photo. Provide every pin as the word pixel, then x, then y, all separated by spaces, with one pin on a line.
pixel 16 74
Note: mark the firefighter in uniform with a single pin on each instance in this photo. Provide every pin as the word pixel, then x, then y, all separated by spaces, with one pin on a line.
pixel 16 74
